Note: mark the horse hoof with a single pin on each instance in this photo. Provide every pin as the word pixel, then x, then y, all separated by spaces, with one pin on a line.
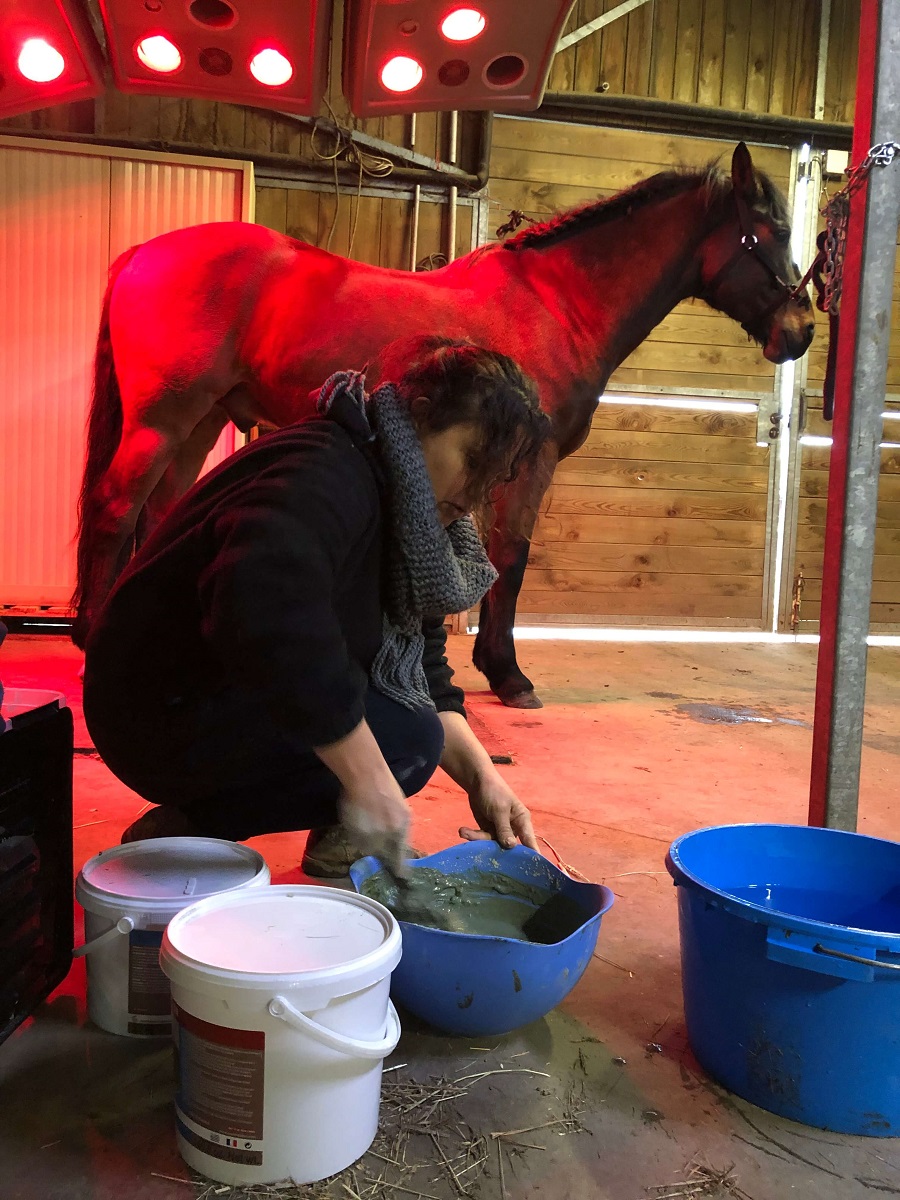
pixel 528 699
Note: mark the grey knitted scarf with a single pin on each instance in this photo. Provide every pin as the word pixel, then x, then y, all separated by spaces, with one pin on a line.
pixel 429 571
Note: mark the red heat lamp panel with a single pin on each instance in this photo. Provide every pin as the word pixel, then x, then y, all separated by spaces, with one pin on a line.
pixel 265 53
pixel 48 55
pixel 405 56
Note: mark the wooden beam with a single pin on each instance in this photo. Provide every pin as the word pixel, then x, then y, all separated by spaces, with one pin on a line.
pixel 598 23
pixel 688 120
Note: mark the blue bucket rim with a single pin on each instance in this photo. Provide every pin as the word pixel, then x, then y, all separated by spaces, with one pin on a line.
pixel 750 911
pixel 371 865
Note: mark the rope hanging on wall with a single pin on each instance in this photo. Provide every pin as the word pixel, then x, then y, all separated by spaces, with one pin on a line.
pixel 371 165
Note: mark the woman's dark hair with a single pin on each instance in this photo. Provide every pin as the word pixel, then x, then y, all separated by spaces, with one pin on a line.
pixel 464 384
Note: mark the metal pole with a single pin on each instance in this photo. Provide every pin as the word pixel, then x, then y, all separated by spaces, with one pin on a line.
pixel 860 385
pixel 453 195
pixel 417 200
pixel 693 120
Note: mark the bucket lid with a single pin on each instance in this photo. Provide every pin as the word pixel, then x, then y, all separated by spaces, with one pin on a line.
pixel 286 936
pixel 166 874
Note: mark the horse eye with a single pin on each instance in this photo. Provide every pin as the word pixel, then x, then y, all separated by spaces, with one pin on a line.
pixel 783 236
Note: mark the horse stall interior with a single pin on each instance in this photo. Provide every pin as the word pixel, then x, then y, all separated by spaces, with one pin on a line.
pixel 679 439
pixel 668 614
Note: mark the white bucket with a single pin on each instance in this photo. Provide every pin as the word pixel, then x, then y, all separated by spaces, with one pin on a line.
pixel 129 894
pixel 283 1019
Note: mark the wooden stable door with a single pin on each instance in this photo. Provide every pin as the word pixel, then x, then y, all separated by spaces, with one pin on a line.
pixel 660 517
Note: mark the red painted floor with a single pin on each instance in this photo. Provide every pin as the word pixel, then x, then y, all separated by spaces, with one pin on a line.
pixel 616 765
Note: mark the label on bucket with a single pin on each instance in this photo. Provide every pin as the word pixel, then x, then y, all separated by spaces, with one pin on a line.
pixel 149 994
pixel 221 1073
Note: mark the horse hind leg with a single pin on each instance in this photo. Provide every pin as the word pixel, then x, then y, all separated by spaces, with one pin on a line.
pixel 112 512
pixel 181 472
pixel 510 541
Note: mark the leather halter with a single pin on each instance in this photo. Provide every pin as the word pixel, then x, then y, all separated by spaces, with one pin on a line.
pixel 750 244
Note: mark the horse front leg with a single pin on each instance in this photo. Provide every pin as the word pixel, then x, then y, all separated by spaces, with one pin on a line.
pixel 508 546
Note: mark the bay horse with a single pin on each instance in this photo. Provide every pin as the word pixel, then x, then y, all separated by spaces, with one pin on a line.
pixel 235 322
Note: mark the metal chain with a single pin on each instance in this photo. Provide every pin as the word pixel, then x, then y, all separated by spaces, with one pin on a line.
pixel 837 214
pixel 516 218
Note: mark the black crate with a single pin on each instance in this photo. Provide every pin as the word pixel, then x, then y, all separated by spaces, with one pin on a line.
pixel 36 907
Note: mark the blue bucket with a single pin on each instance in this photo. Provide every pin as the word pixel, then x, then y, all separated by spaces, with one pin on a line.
pixel 790 954
pixel 466 983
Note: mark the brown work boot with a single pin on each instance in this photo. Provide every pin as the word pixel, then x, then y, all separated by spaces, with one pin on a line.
pixel 331 852
pixel 163 821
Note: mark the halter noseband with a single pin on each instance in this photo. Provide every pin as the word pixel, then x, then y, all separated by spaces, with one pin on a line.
pixel 750 245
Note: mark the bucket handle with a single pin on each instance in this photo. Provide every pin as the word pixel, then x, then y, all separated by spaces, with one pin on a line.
pixel 281 1007
pixel 798 949
pixel 122 926
pixel 866 962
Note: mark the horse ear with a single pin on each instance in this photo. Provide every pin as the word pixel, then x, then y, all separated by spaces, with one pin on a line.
pixel 743 179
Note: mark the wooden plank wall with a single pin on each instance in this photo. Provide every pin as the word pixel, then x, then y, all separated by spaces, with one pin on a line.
pixel 383 227
pixel 813 491
pixel 755 55
pixel 662 513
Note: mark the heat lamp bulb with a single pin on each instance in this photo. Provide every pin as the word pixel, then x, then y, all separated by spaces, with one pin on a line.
pixel 271 68
pixel 157 53
pixel 463 24
pixel 40 62
pixel 401 74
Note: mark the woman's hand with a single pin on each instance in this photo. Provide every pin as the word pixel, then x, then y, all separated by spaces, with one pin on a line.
pixel 373 807
pixel 500 815
pixel 376 807
pixel 377 821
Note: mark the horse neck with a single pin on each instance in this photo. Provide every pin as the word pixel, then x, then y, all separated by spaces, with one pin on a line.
pixel 629 274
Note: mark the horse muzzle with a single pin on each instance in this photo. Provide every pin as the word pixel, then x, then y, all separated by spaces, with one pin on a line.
pixel 790 333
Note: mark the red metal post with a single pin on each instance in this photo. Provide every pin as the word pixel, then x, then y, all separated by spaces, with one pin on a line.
pixel 853 478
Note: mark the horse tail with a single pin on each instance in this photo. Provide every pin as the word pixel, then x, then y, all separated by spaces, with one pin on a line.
pixel 104 432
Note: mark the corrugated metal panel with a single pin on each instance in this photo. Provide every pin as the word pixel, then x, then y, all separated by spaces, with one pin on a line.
pixel 64 215
pixel 54 212
pixel 150 197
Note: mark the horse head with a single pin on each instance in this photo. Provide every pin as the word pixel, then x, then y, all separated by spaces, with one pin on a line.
pixel 746 267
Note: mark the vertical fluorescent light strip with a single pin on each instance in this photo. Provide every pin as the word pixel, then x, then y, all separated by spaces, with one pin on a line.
pixel 799 238
pixel 782 449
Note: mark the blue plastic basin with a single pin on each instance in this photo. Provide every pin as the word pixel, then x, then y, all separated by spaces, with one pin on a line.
pixel 473 984
pixel 776 1010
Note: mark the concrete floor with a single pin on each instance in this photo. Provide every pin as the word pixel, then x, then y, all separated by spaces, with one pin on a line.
pixel 616 765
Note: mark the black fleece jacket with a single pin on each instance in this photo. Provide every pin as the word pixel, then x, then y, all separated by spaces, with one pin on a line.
pixel 266 579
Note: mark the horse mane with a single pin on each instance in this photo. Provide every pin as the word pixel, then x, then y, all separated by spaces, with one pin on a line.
pixel 715 182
